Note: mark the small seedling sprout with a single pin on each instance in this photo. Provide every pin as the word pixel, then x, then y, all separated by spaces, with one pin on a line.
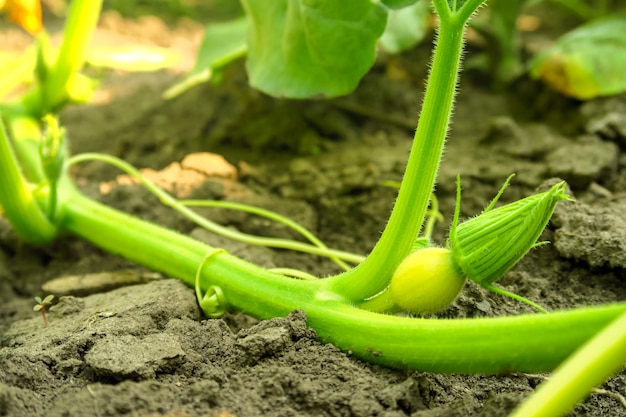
pixel 41 306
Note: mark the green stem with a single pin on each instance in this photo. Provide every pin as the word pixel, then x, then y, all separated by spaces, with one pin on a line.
pixel 16 198
pixel 52 200
pixel 304 232
pixel 51 93
pixel 181 207
pixel 514 296
pixel 26 133
pixel 80 24
pixel 589 367
pixel 529 343
pixel 407 217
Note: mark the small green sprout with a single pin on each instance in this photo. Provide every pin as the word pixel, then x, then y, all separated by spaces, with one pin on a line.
pixel 41 306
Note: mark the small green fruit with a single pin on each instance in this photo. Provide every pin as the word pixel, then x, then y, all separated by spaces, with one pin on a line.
pixel 426 281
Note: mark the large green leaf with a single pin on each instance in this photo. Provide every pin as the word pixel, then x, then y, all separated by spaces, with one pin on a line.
pixel 398 4
pixel 587 62
pixel 406 27
pixel 311 48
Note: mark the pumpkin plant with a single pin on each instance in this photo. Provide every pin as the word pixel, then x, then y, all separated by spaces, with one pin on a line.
pixel 404 271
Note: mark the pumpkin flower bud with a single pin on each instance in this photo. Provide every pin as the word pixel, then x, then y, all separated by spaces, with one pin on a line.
pixel 52 148
pixel 486 247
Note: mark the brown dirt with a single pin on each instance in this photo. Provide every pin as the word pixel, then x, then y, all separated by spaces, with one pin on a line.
pixel 145 350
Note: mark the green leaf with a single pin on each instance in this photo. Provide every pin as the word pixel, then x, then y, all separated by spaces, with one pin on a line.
pixel 222 44
pixel 587 62
pixel 44 58
pixel 456 4
pixel 311 48
pixel 400 4
pixel 406 27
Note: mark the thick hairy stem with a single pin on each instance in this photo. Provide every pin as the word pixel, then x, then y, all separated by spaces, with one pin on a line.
pixel 16 198
pixel 407 217
pixel 523 343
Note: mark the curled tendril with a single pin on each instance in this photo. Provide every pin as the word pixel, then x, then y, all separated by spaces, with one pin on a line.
pixel 213 303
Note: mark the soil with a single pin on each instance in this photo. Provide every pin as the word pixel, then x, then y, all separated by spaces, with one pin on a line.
pixel 144 349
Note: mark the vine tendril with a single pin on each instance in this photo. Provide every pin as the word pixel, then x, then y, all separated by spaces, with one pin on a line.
pixel 213 303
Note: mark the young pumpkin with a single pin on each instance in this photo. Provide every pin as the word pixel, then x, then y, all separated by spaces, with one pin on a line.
pixel 426 281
